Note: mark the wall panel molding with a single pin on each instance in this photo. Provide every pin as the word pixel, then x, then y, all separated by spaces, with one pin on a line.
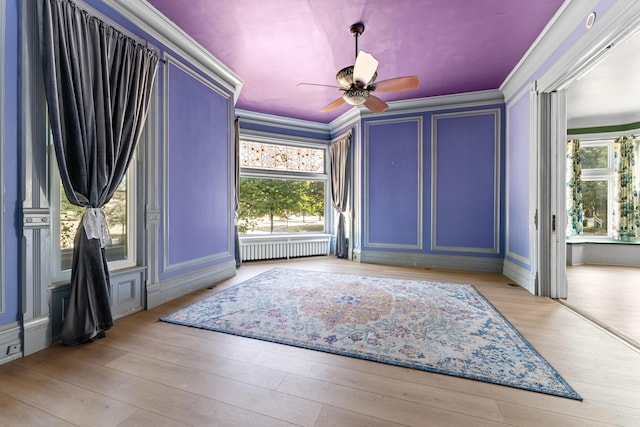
pixel 419 158
pixel 495 247
pixel 167 265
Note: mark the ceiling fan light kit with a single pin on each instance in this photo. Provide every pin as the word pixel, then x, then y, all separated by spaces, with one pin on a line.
pixel 355 96
pixel 357 81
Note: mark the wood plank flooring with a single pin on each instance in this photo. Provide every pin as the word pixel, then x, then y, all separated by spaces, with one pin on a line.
pixel 151 373
pixel 609 295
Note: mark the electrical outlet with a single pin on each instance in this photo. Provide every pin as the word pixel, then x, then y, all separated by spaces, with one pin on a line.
pixel 13 349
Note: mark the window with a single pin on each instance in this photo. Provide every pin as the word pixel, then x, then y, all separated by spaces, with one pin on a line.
pixel 283 188
pixel 596 158
pixel 66 218
pixel 600 193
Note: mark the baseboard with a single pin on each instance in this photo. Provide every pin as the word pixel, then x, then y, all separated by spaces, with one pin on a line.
pixel 446 262
pixel 10 348
pixel 37 335
pixel 519 275
pixel 167 290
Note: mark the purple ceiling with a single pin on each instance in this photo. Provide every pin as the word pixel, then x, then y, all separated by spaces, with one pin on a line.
pixel 453 46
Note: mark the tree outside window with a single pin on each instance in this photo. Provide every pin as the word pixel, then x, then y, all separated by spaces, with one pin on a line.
pixel 282 189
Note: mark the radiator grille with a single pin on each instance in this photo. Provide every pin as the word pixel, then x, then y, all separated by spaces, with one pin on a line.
pixel 261 250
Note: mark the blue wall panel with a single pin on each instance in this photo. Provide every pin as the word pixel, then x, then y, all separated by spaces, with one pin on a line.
pixel 9 169
pixel 198 210
pixel 466 194
pixel 518 181
pixel 393 181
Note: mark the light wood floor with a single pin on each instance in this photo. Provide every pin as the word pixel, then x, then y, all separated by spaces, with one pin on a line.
pixel 151 373
pixel 609 295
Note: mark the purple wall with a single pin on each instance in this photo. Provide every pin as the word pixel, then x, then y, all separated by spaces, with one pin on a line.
pixel 465 189
pixel 198 211
pixel 10 168
pixel 518 178
pixel 392 153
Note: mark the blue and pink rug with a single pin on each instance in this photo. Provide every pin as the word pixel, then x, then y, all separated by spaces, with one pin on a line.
pixel 437 327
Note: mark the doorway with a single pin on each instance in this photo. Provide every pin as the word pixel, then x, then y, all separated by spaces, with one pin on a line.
pixel 600 101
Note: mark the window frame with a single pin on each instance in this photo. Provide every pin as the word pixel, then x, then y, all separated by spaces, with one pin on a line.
pixel 55 189
pixel 608 174
pixel 291 141
pixel 602 174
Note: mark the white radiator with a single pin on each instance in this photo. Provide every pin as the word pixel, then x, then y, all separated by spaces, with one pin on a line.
pixel 257 249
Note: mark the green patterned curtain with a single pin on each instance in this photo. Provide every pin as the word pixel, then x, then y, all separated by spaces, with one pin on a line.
pixel 574 188
pixel 626 180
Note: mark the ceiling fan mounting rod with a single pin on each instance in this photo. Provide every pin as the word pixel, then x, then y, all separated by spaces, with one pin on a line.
pixel 357 29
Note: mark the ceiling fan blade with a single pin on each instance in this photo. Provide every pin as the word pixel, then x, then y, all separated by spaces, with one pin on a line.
pixel 364 68
pixel 317 84
pixel 398 84
pixel 375 104
pixel 332 106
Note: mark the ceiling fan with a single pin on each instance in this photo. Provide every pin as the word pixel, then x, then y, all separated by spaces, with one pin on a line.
pixel 358 81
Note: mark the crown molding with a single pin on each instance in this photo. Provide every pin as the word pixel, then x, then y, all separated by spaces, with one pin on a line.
pixel 569 16
pixel 617 25
pixel 347 119
pixel 421 105
pixel 154 23
pixel 282 122
pixel 434 103
pixel 354 115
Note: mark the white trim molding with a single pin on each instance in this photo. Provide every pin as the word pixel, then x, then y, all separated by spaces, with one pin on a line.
pixel 569 16
pixel 146 17
pixel 421 105
pixel 620 22
pixel 10 347
pixel 419 245
pixel 445 262
pixel 495 248
pixel 167 290
pixel 519 275
pixel 280 122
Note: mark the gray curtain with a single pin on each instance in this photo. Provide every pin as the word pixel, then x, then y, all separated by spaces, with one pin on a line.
pixel 340 151
pixel 98 84
pixel 236 129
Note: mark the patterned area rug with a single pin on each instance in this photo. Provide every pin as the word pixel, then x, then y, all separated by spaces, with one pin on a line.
pixel 437 327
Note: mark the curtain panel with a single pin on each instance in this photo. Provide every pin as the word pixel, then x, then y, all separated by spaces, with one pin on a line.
pixel 238 253
pixel 340 152
pixel 628 218
pixel 98 84
pixel 574 188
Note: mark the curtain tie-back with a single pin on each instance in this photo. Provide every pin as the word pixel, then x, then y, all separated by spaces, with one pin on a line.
pixel 95 226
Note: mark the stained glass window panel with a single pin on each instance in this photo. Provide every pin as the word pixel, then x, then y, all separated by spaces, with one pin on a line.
pixel 258 155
